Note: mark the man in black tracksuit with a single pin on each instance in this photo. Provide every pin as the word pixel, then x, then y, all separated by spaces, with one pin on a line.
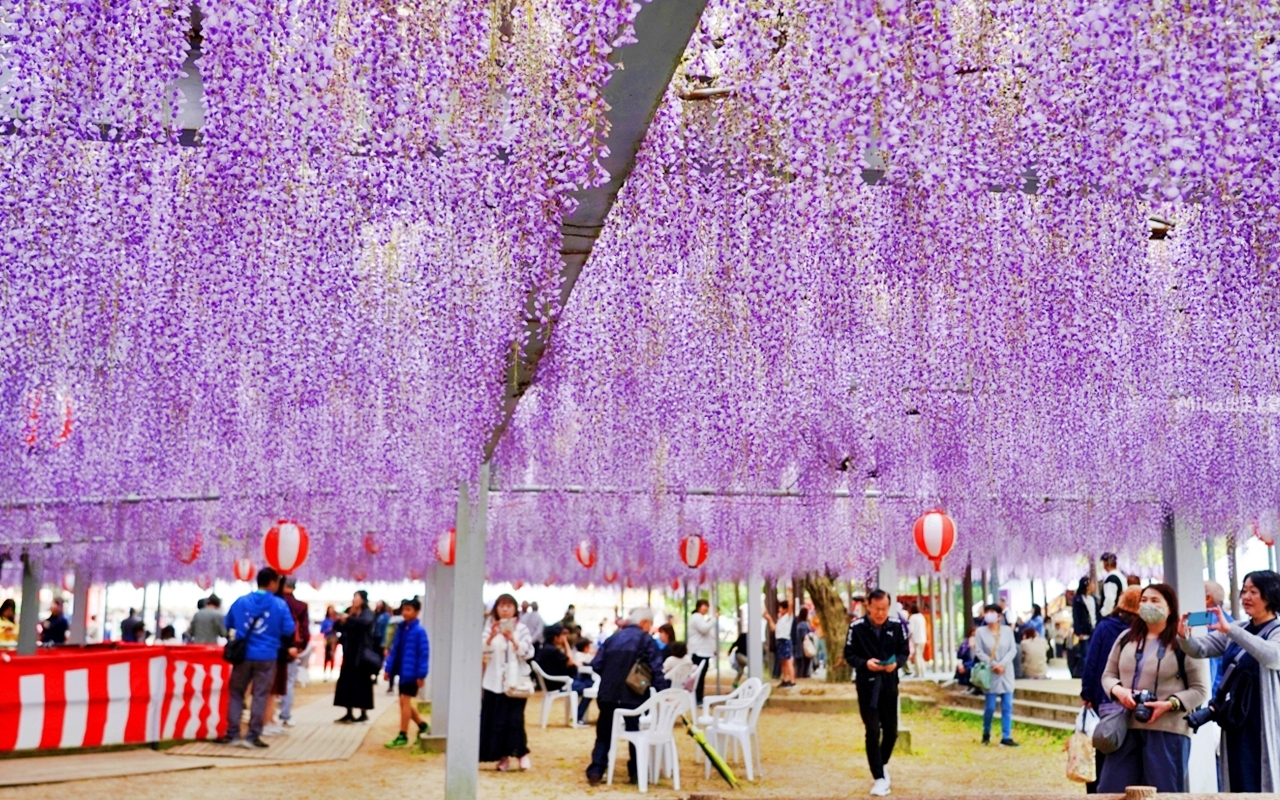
pixel 872 641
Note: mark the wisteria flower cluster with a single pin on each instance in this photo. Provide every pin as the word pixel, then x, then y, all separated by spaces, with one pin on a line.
pixel 311 311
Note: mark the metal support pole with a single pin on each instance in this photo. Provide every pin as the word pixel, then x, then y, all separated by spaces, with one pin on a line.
pixel 430 601
pixel 159 597
pixel 1233 576
pixel 79 608
pixel 715 616
pixel 755 627
pixel 29 614
pixel 462 765
pixel 1210 559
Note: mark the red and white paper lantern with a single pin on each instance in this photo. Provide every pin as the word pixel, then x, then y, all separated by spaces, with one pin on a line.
pixel 1265 534
pixel 204 582
pixel 69 582
pixel 285 546
pixel 610 576
pixel 244 569
pixel 585 552
pixel 186 552
pixel 935 535
pixel 371 545
pixel 693 551
pixel 50 419
pixel 447 547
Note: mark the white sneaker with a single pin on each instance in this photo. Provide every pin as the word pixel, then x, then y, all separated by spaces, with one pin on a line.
pixel 272 730
pixel 880 788
pixel 288 723
pixel 245 743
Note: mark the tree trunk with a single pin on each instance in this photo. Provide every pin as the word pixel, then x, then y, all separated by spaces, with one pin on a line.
pixel 829 607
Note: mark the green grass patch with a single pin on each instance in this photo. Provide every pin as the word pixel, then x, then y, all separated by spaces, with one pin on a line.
pixel 1047 736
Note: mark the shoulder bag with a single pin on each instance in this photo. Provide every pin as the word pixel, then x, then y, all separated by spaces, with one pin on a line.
pixel 1113 717
pixel 640 678
pixel 514 682
pixel 808 647
pixel 981 676
pixel 236 650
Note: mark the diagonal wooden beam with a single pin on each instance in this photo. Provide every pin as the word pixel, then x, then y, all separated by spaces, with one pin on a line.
pixel 663 29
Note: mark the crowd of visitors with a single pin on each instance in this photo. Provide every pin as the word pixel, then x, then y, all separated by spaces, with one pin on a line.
pixel 1151 674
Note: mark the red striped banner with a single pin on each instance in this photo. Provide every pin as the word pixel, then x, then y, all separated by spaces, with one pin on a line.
pixel 87 697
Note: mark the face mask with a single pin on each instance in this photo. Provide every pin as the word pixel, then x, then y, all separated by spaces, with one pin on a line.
pixel 1151 613
pixel 991 617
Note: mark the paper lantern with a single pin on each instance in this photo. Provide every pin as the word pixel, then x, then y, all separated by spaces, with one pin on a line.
pixel 186 552
pixel 518 585
pixel 204 582
pixel 1268 537
pixel 675 584
pixel 371 545
pixel 585 552
pixel 244 569
pixel 139 584
pixel 935 535
pixel 69 582
pixel 285 546
pixel 359 574
pixel 550 581
pixel 416 574
pixel 447 547
pixel 50 419
pixel 610 576
pixel 693 551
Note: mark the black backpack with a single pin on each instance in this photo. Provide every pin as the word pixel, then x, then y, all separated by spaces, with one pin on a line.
pixel 236 650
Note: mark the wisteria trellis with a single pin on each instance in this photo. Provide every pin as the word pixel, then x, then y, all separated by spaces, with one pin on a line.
pixel 316 305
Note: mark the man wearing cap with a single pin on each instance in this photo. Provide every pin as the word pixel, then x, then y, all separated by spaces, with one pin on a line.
pixel 1112 584
pixel 1104 636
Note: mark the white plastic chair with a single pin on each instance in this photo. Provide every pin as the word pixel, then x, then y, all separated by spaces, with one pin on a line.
pixel 737 723
pixel 592 692
pixel 746 691
pixel 550 695
pixel 662 710
pixel 693 693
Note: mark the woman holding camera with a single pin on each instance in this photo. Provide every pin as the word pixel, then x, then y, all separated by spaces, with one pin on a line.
pixel 1247 704
pixel 1148 674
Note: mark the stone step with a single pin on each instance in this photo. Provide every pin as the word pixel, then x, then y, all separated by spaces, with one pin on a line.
pixel 1071 699
pixel 1034 721
pixel 1031 709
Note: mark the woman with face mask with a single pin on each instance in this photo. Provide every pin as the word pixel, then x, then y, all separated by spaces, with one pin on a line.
pixel 1145 662
pixel 996 644
pixel 1247 703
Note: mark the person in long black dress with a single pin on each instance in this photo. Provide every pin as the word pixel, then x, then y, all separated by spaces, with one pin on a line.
pixel 507 645
pixel 355 679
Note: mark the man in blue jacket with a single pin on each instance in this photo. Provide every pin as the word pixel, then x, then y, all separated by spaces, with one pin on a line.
pixel 409 660
pixel 265 621
pixel 613 662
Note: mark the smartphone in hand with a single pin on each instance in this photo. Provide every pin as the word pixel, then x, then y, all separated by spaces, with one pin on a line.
pixel 1199 619
pixel 890 660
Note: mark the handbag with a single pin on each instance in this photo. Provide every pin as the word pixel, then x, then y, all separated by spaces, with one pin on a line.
pixel 236 650
pixel 370 659
pixel 1112 728
pixel 640 678
pixel 514 682
pixel 982 676
pixel 1081 765
pixel 808 647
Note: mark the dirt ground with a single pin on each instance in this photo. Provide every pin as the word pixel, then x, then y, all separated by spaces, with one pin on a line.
pixel 806 755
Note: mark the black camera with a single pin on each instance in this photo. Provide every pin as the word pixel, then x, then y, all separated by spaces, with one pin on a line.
pixel 1201 715
pixel 1143 712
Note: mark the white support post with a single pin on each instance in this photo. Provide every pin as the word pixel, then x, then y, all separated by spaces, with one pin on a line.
pixel 29 613
pixel 462 754
pixel 430 601
pixel 1184 571
pixel 442 615
pixel 887 579
pixel 755 627
pixel 79 607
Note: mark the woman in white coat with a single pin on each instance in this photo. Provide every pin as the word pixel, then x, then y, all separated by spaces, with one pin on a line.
pixel 508 646
pixel 995 645
pixel 1250 651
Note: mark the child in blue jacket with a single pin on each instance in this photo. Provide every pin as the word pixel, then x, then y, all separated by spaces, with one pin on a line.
pixel 408 660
